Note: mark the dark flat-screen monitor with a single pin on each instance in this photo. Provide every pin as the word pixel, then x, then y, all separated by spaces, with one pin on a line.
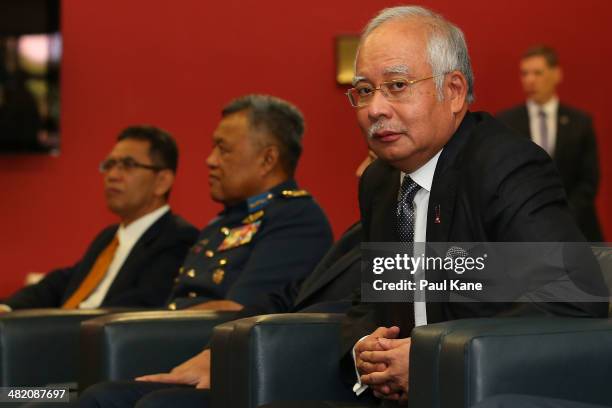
pixel 30 57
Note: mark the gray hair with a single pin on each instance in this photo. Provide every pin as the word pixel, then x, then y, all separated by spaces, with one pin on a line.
pixel 446 46
pixel 276 117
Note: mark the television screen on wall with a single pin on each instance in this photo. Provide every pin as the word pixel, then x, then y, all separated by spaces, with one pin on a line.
pixel 30 57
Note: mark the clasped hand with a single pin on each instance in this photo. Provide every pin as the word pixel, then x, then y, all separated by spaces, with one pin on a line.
pixel 383 361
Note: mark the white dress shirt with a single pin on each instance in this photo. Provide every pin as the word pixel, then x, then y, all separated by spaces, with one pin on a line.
pixel 551 109
pixel 423 176
pixel 127 236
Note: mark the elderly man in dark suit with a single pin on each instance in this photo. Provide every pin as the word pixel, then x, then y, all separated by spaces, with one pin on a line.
pixel 565 133
pixel 132 263
pixel 444 174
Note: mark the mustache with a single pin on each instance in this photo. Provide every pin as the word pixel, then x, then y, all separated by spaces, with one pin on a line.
pixel 384 125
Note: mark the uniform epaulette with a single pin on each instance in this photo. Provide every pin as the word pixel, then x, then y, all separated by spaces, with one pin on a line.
pixel 294 193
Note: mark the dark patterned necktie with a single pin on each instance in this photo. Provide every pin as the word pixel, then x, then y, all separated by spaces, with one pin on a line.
pixel 396 313
pixel 405 210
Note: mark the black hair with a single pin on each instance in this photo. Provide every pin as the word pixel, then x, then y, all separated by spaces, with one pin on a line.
pixel 279 118
pixel 549 54
pixel 162 147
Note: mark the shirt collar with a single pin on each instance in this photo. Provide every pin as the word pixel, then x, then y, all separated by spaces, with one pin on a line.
pixel 423 176
pixel 132 233
pixel 549 107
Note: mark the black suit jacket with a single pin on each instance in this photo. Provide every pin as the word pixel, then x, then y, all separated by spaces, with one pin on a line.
pixel 575 156
pixel 333 280
pixel 488 186
pixel 144 280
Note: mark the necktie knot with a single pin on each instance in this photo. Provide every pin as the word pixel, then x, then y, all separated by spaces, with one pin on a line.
pixel 408 190
pixel 405 210
pixel 542 114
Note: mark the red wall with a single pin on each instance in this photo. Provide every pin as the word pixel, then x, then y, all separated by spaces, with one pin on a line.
pixel 175 64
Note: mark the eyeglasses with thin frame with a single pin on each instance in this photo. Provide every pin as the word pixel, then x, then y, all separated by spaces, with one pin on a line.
pixel 396 90
pixel 126 164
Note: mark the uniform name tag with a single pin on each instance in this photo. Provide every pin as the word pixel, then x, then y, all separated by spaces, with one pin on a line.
pixel 239 236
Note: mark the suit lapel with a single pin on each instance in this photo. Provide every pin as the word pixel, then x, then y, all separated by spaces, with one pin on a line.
pixel 384 207
pixel 444 186
pixel 330 274
pixel 522 123
pixel 89 261
pixel 563 132
pixel 441 205
pixel 443 196
pixel 137 256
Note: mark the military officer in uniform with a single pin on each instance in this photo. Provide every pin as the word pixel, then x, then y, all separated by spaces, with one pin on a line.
pixel 270 232
pixel 332 280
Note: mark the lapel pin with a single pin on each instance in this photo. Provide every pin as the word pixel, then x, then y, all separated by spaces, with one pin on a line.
pixel 564 120
pixel 437 219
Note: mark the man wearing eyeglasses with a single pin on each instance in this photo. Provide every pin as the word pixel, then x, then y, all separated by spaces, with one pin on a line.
pixel 444 174
pixel 132 263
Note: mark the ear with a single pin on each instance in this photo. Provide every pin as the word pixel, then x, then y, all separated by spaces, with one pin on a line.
pixel 269 158
pixel 164 181
pixel 456 90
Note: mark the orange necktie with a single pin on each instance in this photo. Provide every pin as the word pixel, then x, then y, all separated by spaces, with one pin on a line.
pixel 94 277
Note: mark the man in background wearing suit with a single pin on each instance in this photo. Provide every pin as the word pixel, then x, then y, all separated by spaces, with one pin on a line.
pixel 565 133
pixel 132 263
pixel 444 174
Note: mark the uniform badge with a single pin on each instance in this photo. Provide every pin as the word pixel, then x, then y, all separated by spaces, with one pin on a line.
pixel 218 276
pixel 199 246
pixel 253 217
pixel 239 236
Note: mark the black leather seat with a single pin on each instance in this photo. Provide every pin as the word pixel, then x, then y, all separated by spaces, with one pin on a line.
pixel 126 345
pixel 40 346
pixel 452 364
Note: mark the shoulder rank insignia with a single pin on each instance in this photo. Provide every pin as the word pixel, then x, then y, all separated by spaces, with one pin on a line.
pixel 253 217
pixel 258 202
pixel 239 236
pixel 294 193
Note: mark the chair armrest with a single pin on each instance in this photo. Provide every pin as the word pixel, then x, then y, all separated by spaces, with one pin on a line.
pixel 126 345
pixel 277 357
pixel 40 346
pixel 459 363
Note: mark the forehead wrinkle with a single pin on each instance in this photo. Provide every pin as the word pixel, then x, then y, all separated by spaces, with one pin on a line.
pixel 393 69
pixel 397 69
